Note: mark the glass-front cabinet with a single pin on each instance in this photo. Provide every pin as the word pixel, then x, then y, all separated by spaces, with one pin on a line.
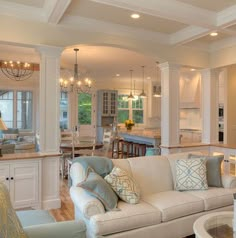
pixel 108 102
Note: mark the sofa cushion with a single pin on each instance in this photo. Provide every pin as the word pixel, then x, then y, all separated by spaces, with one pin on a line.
pixel 128 218
pixel 215 197
pixel 191 174
pixel 149 174
pixel 124 185
pixel 175 204
pixel 96 186
pixel 34 217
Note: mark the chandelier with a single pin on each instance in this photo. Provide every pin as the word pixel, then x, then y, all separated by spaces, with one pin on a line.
pixel 17 70
pixel 76 83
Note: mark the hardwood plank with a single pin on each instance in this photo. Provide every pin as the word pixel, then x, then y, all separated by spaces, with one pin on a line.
pixel 66 212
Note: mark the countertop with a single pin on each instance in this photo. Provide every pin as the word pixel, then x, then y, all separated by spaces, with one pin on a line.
pixel 18 156
pixel 149 133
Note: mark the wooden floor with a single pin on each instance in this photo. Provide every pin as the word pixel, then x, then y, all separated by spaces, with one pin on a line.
pixel 66 212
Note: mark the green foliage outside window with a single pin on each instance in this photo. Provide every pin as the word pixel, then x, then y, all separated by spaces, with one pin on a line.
pixel 84 108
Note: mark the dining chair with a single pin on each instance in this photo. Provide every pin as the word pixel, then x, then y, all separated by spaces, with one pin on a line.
pixel 84 145
pixel 107 142
pixel 67 138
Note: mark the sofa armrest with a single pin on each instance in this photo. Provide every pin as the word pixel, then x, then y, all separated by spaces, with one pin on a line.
pixel 229 181
pixel 87 204
pixel 68 229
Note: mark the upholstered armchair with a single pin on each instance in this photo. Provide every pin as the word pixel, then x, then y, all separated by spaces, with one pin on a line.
pixel 34 223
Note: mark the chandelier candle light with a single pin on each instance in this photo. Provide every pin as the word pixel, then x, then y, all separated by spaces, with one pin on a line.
pixel 17 71
pixel 75 82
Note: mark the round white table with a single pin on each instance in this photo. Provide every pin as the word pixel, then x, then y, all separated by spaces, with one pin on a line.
pixel 216 225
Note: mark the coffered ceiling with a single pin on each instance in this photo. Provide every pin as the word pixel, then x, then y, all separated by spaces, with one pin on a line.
pixel 167 22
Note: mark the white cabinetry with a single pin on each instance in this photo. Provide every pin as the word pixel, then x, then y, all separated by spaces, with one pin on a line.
pixel 106 110
pixel 108 101
pixel 22 179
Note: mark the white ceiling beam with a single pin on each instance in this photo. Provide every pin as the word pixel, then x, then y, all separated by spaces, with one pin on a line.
pixel 187 34
pixel 55 9
pixel 92 25
pixel 226 17
pixel 167 9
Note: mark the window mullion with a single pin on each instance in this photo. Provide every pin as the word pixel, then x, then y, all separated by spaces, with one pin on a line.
pixel 15 109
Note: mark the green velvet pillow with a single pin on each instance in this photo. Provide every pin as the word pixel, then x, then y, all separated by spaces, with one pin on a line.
pixel 213 167
pixel 96 186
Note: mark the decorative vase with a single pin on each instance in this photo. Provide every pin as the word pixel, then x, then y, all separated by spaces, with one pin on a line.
pixel 129 128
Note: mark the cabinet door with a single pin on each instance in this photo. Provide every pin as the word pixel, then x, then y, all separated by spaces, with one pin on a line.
pixel 113 103
pixel 105 103
pixel 24 184
pixel 4 174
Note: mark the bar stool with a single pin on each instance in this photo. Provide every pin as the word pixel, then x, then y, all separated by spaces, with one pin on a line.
pixel 136 149
pixel 126 149
pixel 116 148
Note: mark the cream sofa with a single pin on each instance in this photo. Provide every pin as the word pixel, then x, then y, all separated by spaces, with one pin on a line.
pixel 162 211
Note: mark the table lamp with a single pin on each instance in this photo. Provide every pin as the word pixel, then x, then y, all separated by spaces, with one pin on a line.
pixel 2 127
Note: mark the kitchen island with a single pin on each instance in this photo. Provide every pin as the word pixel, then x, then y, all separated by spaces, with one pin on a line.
pixel 146 136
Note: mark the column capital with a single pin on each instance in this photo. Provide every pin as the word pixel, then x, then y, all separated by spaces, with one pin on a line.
pixel 49 50
pixel 169 65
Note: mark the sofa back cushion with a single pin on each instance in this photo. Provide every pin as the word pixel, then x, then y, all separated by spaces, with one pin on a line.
pixel 152 174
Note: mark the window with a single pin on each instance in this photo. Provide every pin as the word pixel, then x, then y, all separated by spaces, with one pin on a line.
pixel 16 108
pixel 24 110
pixel 64 110
pixel 84 109
pixel 130 109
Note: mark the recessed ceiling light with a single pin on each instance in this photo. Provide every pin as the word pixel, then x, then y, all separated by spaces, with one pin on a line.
pixel 213 34
pixel 192 69
pixel 117 75
pixel 148 77
pixel 135 15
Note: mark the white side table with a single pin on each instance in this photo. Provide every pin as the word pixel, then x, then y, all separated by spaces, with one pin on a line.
pixel 217 225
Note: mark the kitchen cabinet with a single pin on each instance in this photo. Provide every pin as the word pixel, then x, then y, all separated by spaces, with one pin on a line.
pixel 107 100
pixel 106 110
pixel 22 181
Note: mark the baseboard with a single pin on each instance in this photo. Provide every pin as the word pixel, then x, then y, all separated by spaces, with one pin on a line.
pixel 51 204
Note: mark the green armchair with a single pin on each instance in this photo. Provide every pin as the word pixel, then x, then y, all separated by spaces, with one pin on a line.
pixel 34 223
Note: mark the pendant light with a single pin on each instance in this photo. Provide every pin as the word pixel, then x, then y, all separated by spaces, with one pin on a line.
pixel 143 94
pixel 131 96
pixel 157 88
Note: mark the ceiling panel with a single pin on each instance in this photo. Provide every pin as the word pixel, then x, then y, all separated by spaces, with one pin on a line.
pixel 121 16
pixel 102 61
pixel 35 3
pixel 212 5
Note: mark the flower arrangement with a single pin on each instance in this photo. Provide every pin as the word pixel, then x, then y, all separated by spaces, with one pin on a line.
pixel 129 124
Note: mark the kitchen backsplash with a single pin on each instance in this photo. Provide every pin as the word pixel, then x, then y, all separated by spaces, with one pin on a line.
pixel 190 119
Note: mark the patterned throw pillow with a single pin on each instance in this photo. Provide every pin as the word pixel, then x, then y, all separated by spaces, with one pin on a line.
pixel 191 174
pixel 124 185
pixel 10 225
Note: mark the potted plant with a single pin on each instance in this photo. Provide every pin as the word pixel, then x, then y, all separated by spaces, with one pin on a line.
pixel 129 124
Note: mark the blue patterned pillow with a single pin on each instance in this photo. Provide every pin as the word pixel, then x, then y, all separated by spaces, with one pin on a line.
pixel 191 174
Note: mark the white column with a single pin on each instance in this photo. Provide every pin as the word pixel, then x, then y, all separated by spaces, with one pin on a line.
pixel 210 92
pixel 49 98
pixel 170 74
